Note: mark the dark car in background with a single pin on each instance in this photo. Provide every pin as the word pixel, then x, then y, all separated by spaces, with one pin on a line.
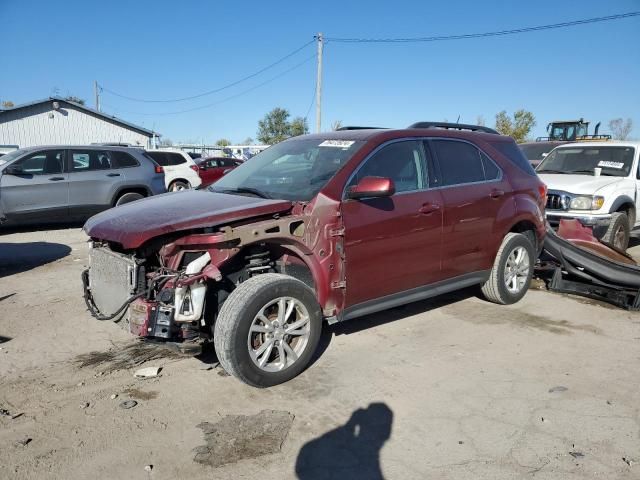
pixel 66 183
pixel 213 168
pixel 536 151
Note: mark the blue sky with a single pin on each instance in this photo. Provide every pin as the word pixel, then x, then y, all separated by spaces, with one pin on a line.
pixel 165 49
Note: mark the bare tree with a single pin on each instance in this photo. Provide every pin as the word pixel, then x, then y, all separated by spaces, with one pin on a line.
pixel 223 142
pixel 480 121
pixel 620 129
pixel 336 125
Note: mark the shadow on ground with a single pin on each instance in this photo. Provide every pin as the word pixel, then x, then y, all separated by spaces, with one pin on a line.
pixel 350 451
pixel 41 227
pixel 20 257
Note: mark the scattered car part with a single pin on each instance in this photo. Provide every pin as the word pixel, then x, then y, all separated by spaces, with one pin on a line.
pixel 587 267
pixel 127 404
pixel 147 372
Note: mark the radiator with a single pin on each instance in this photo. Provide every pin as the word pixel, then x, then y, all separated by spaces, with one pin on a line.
pixel 113 278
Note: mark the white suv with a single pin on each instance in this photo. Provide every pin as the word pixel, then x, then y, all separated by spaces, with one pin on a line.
pixel 597 183
pixel 180 171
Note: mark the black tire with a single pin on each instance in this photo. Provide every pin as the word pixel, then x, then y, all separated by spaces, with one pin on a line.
pixel 178 185
pixel 237 315
pixel 618 232
pixel 128 198
pixel 495 289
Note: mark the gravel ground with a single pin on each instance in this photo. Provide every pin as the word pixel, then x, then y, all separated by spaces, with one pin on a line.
pixel 452 388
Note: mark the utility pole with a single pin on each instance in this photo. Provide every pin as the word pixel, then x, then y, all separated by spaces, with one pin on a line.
pixel 319 84
pixel 96 91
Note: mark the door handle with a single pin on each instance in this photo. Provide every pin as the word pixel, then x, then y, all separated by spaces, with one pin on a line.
pixel 56 179
pixel 113 174
pixel 429 208
pixel 496 193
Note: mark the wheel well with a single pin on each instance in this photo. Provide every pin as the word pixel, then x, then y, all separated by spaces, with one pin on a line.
pixel 180 180
pixel 527 228
pixel 630 210
pixel 265 257
pixel 141 190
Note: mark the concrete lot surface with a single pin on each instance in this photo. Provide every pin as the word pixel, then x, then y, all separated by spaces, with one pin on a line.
pixel 453 388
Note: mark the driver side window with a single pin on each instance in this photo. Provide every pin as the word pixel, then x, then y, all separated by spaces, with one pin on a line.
pixel 399 161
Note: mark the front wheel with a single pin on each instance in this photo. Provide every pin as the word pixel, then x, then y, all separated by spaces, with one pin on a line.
pixel 512 270
pixel 268 329
pixel 618 232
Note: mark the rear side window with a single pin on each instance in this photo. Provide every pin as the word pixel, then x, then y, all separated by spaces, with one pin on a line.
pixel 513 153
pixel 123 160
pixel 167 159
pixel 176 159
pixel 459 162
pixel 86 160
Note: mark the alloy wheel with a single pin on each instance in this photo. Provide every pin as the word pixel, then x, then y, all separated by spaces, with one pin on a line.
pixel 516 270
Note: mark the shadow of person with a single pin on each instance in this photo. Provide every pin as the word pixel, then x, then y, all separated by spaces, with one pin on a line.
pixel 351 451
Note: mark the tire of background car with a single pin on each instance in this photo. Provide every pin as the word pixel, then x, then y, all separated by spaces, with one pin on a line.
pixel 178 185
pixel 128 198
pixel 265 318
pixel 512 270
pixel 617 233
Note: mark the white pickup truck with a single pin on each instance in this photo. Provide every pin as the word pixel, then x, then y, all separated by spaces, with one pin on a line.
pixel 597 183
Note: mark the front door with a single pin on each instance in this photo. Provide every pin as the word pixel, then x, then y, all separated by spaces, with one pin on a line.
pixel 392 244
pixel 41 192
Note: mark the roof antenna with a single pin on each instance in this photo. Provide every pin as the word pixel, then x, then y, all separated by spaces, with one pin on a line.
pixel 458 121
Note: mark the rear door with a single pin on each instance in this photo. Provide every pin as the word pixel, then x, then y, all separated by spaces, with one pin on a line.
pixel 474 193
pixel 41 192
pixel 93 181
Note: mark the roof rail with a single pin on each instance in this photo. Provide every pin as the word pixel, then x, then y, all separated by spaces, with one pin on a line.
pixel 359 128
pixel 454 126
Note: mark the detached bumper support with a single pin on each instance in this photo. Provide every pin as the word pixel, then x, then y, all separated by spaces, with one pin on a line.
pixel 622 298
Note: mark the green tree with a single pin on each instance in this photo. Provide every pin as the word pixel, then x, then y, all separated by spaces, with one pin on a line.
pixel 519 127
pixel 7 104
pixel 620 129
pixel 274 127
pixel 223 142
pixel 298 126
pixel 79 100
pixel 248 141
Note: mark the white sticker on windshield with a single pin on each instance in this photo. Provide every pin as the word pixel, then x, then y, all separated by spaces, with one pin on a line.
pixel 337 143
pixel 603 163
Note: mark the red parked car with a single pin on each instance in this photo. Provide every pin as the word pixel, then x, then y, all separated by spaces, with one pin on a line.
pixel 325 227
pixel 212 169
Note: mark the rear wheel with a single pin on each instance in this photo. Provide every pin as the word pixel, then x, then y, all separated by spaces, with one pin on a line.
pixel 178 185
pixel 512 270
pixel 268 329
pixel 128 198
pixel 618 232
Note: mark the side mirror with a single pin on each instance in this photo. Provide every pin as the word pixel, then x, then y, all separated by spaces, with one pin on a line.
pixel 14 170
pixel 372 187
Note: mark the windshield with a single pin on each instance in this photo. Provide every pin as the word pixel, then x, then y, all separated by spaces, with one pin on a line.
pixel 614 161
pixel 534 151
pixel 292 170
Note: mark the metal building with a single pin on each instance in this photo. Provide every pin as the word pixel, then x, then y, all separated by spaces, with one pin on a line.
pixel 56 121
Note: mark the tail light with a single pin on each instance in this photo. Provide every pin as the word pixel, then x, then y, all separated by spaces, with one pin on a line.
pixel 159 169
pixel 194 168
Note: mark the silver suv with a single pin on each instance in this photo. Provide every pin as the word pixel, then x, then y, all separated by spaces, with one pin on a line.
pixel 65 183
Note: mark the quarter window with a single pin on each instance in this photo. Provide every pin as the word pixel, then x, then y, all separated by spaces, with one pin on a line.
pixel 399 161
pixel 123 160
pixel 459 162
pixel 42 163
pixel 491 170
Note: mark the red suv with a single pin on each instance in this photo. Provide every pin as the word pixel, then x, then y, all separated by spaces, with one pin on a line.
pixel 330 227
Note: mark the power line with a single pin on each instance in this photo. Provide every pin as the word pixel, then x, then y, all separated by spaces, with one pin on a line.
pixel 210 92
pixel 244 92
pixel 485 34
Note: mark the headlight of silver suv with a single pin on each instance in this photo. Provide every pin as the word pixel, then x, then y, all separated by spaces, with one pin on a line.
pixel 586 202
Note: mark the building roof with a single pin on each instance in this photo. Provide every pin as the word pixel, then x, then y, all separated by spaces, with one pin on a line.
pixel 86 109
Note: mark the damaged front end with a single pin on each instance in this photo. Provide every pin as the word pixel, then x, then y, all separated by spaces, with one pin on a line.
pixel 582 265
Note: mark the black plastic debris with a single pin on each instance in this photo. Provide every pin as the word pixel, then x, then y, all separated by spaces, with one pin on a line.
pixel 127 404
pixel 559 388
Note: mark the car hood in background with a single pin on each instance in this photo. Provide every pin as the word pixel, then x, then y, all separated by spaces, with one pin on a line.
pixel 579 184
pixel 134 223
